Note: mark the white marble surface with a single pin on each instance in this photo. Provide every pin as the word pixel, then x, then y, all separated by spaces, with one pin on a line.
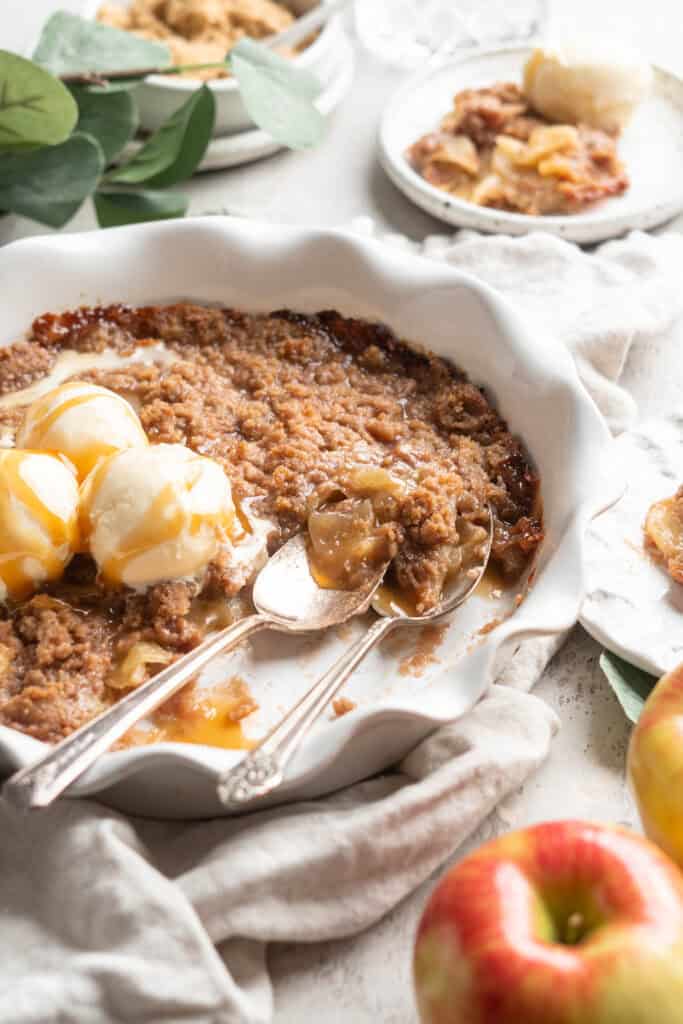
pixel 367 979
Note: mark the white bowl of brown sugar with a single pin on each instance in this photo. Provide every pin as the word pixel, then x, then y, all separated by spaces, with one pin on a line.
pixel 193 39
pixel 279 351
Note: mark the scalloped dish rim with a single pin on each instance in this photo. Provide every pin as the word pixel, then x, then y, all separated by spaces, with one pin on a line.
pixel 357 276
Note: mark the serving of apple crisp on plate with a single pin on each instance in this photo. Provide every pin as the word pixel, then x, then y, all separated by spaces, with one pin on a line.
pixel 494 149
pixel 548 146
pixel 577 139
pixel 634 602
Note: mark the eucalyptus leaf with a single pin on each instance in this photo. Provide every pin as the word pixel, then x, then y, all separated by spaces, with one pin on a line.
pixel 71 45
pixel 278 96
pixel 50 184
pixel 631 685
pixel 173 153
pixel 115 207
pixel 35 107
pixel 111 118
pixel 296 79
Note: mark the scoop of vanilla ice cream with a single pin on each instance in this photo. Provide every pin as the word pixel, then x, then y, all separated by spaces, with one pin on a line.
pixel 38 520
pixel 156 513
pixel 591 82
pixel 84 422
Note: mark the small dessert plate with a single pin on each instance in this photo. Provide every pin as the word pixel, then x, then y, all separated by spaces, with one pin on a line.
pixel 651 147
pixel 632 606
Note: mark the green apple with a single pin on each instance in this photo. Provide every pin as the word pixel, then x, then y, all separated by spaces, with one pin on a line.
pixel 563 923
pixel 655 763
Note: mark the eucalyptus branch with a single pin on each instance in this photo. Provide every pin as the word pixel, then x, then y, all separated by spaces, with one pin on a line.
pixel 102 78
pixel 62 143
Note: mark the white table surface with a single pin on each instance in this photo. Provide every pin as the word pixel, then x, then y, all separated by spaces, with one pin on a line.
pixel 366 979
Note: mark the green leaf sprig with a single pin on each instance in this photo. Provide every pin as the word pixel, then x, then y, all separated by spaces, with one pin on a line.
pixel 72 46
pixel 69 113
pixel 631 685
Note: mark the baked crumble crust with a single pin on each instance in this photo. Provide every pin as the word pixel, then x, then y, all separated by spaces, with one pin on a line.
pixel 299 410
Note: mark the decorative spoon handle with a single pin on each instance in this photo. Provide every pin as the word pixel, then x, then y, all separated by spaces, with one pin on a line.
pixel 262 769
pixel 41 783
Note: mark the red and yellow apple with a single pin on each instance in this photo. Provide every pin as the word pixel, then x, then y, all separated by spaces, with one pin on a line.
pixel 655 764
pixel 563 923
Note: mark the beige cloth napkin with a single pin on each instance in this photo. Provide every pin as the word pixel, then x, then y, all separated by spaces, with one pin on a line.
pixel 598 303
pixel 108 919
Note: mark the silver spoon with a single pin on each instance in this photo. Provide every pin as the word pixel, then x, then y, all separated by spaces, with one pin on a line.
pixel 286 598
pixel 262 770
pixel 306 24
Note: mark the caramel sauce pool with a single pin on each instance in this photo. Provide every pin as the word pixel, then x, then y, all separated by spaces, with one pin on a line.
pixel 208 722
pixel 492 581
pixel 205 717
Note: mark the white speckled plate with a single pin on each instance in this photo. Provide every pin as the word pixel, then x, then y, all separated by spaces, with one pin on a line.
pixel 632 606
pixel 652 148
pixel 260 267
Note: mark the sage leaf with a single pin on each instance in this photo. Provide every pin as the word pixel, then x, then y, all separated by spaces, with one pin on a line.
pixel 115 207
pixel 278 96
pixel 111 118
pixel 36 109
pixel 173 153
pixel 71 45
pixel 631 685
pixel 49 185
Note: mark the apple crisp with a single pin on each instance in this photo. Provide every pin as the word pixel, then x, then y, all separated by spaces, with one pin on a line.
pixel 493 149
pixel 311 417
pixel 199 31
pixel 664 533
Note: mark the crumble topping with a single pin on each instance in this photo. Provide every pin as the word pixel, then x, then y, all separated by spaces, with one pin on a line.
pixel 198 31
pixel 300 410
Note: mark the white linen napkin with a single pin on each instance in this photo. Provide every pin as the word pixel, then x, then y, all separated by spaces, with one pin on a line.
pixel 597 303
pixel 112 919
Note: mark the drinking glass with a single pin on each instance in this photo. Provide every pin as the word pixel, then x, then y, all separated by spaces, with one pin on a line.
pixel 410 32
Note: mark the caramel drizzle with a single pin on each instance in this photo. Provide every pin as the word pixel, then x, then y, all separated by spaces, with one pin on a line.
pixel 164 522
pixel 44 419
pixel 25 542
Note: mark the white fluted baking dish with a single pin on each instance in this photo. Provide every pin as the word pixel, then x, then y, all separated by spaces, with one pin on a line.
pixel 259 267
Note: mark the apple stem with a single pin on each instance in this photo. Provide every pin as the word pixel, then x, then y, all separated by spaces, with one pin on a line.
pixel 575 928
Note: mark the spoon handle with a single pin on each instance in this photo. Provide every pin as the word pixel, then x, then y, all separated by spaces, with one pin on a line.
pixel 42 782
pixel 262 769
pixel 306 24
